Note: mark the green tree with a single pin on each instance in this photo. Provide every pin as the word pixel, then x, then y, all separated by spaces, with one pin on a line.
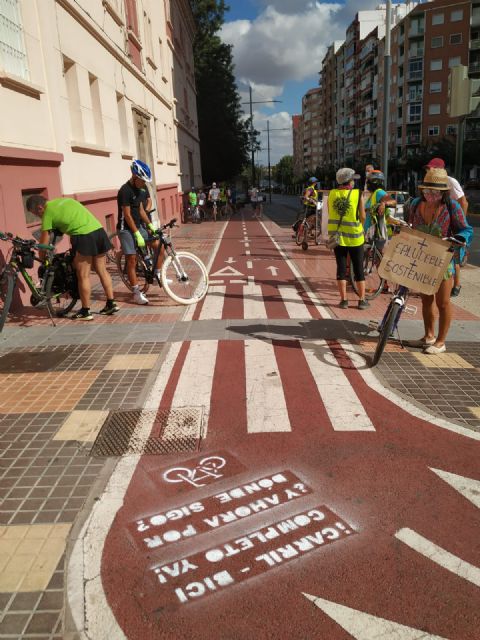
pixel 224 133
pixel 283 171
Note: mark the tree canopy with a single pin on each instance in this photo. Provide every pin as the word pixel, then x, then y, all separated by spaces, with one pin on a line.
pixel 224 133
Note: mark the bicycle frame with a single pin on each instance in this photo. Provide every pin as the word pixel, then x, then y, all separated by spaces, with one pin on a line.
pixel 399 298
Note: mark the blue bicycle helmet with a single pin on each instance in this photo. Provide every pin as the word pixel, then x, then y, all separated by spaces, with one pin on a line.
pixel 312 180
pixel 141 170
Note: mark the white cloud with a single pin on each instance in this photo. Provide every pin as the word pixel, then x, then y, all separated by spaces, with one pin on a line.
pixel 276 47
pixel 280 125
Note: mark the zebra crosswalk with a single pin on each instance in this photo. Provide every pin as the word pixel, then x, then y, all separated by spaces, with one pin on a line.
pixel 264 389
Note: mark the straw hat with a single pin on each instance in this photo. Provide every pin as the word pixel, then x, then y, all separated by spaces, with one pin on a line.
pixel 435 179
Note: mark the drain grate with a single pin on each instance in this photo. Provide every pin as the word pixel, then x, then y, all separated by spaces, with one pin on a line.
pixel 126 432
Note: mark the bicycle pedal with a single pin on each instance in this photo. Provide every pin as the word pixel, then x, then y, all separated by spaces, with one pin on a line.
pixel 411 309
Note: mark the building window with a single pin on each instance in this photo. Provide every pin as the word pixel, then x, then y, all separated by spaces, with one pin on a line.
pixel 13 54
pixel 454 62
pixel 437 42
pixel 457 15
pixel 434 109
pixel 122 120
pixel 132 19
pixel 435 87
pixel 73 97
pixel 451 129
pixel 96 110
pixel 436 65
pixel 455 38
pixel 434 130
pixel 438 18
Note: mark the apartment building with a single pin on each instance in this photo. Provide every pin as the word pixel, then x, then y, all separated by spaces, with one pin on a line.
pixel 297 145
pixel 312 145
pixel 85 87
pixel 432 39
pixel 428 39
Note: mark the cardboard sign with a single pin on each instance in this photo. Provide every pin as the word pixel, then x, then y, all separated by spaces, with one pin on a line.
pixel 415 260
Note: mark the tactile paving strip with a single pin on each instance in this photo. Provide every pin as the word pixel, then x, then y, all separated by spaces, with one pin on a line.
pixel 178 430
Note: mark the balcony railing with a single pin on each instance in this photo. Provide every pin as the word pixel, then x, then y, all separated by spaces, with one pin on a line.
pixel 413 138
pixel 474 67
pixel 414 75
pixel 414 32
pixel 475 44
pixel 414 117
pixel 415 97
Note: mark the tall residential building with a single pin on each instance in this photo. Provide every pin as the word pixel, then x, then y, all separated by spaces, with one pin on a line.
pixel 297 133
pixel 85 87
pixel 312 147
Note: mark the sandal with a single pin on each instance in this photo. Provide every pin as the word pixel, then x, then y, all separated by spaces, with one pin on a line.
pixel 420 344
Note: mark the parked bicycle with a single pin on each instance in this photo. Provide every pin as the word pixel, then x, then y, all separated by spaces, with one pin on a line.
pixel 183 276
pixel 372 256
pixel 398 304
pixel 57 289
pixel 306 229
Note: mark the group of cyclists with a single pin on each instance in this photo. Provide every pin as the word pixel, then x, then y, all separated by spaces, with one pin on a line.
pixel 218 202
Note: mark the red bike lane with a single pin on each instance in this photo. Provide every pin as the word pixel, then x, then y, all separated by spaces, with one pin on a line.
pixel 301 486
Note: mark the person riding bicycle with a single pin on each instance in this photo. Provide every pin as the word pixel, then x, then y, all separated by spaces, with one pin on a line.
pixel 202 200
pixel 376 216
pixel 134 205
pixel 90 244
pixel 213 197
pixel 309 198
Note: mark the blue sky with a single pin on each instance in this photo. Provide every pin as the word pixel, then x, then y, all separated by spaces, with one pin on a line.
pixel 278 46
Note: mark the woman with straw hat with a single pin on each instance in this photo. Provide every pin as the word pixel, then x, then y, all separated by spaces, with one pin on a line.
pixel 436 214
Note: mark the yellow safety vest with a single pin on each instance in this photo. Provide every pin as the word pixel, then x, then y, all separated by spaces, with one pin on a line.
pixel 350 229
pixel 315 195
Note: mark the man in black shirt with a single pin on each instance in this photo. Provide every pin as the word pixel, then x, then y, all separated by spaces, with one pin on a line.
pixel 134 204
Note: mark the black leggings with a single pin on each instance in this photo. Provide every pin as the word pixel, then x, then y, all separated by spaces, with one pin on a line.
pixel 356 261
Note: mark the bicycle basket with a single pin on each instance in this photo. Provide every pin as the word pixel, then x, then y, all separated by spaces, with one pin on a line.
pixel 27 259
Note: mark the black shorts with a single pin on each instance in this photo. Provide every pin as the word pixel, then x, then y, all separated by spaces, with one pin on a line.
pixel 95 243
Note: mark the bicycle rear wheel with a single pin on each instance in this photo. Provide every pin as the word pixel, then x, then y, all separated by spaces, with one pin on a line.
pixel 140 270
pixel 59 304
pixel 7 285
pixel 373 282
pixel 184 277
pixel 386 331
pixel 300 234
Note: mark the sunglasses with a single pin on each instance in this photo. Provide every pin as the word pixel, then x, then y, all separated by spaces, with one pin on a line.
pixel 432 191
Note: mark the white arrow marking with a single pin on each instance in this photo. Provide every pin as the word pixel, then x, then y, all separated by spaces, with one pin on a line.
pixel 438 555
pixel 364 626
pixel 230 260
pixel 227 271
pixel 466 486
pixel 273 270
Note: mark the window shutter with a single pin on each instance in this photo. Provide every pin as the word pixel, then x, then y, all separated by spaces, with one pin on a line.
pixel 13 57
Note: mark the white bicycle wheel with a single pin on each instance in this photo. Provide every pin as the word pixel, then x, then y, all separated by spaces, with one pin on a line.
pixel 184 278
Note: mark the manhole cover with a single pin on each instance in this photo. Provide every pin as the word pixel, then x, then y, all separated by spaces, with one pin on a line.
pixel 32 361
pixel 149 432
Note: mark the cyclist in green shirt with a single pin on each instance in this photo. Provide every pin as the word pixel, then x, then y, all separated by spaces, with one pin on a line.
pixel 90 244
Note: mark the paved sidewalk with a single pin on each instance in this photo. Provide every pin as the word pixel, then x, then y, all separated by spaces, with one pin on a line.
pixel 58 385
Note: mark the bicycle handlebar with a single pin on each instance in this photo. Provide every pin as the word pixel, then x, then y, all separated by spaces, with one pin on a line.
pixel 27 244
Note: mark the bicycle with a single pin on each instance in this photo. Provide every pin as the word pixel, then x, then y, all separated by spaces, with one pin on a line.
pixel 57 289
pixel 115 242
pixel 183 276
pixel 389 323
pixel 374 283
pixel 305 228
pixel 194 214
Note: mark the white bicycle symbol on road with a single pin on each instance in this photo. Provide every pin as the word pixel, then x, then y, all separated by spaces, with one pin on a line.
pixel 206 469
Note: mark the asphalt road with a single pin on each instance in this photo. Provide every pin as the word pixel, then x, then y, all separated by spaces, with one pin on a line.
pixel 285 219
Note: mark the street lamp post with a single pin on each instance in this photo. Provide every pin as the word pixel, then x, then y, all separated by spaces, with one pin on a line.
pixel 268 154
pixel 251 103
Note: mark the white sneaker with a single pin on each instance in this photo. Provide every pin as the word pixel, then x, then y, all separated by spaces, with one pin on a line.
pixel 139 297
pixel 158 274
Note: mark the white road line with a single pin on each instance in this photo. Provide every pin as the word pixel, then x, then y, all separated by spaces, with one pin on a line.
pixel 213 306
pixel 296 307
pixel 251 279
pixel 247 244
pixel 249 264
pixel 253 303
pixel 364 626
pixel 266 406
pixel 212 283
pixel 468 487
pixel 194 387
pixel 191 309
pixel 438 555
pixel 313 297
pixel 343 406
pixel 247 252
pixel 238 282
